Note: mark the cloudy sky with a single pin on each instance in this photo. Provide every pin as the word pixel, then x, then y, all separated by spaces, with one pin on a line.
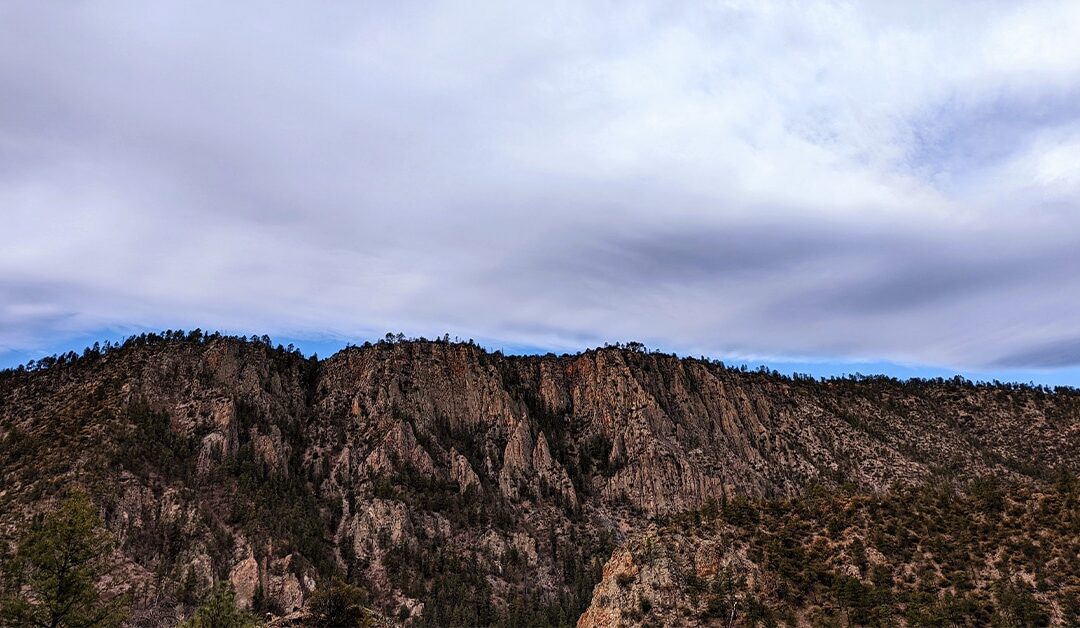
pixel 885 183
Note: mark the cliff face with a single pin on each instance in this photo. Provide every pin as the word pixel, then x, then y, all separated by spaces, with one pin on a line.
pixel 446 479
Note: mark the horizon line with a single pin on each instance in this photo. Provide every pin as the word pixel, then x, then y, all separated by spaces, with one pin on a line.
pixel 817 369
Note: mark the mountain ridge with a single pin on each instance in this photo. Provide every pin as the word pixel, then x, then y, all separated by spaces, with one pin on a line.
pixel 198 335
pixel 504 481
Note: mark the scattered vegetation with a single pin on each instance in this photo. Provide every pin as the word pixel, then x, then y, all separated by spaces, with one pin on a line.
pixel 150 447
pixel 982 554
pixel 985 552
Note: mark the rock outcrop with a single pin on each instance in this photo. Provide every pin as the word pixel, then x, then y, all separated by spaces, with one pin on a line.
pixel 418 467
pixel 461 471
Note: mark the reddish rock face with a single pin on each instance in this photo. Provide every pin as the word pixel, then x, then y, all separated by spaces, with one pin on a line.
pixel 278 470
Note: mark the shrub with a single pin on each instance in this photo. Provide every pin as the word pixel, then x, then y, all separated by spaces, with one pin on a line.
pixel 339 604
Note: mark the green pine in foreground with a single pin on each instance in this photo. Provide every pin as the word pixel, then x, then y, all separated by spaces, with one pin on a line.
pixel 54 574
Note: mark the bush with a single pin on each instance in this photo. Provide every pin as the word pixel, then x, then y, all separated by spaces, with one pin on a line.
pixel 339 604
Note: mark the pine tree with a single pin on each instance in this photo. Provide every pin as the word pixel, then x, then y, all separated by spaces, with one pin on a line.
pixel 220 611
pixel 54 574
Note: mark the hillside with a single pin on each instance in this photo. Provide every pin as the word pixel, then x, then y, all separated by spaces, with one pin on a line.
pixel 460 486
pixel 927 555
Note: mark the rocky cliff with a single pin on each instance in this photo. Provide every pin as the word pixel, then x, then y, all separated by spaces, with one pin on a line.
pixel 458 485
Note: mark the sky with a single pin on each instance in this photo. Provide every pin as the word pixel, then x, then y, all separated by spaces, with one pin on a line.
pixel 828 187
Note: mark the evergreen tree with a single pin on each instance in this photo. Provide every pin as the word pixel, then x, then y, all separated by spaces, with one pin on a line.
pixel 220 611
pixel 54 574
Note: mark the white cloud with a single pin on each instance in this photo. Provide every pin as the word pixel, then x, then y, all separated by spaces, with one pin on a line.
pixel 553 175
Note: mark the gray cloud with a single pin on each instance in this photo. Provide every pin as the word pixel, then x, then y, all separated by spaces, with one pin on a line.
pixel 709 252
pixel 928 279
pixel 822 181
pixel 1056 354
